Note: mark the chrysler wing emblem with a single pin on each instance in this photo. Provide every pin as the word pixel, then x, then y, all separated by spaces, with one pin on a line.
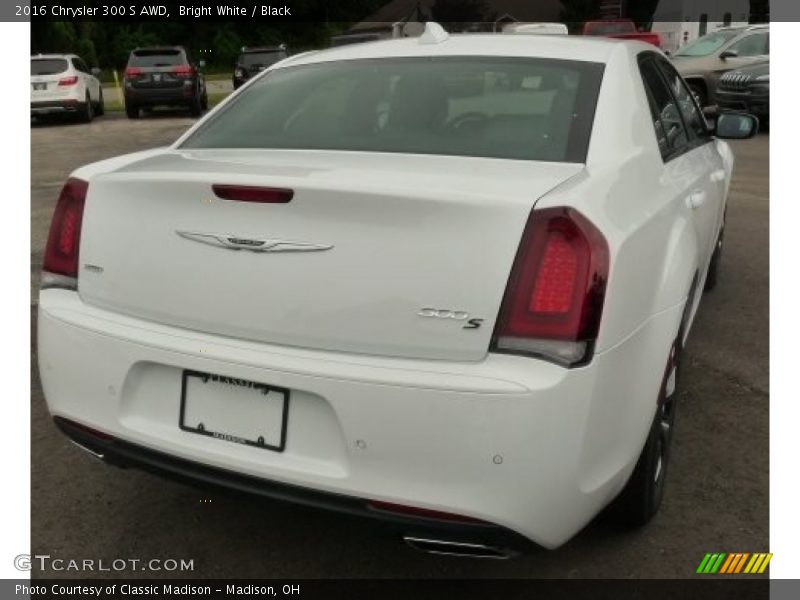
pixel 236 242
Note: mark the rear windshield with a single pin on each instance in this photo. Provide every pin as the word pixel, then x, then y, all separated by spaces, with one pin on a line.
pixel 707 44
pixel 156 58
pixel 529 109
pixel 48 66
pixel 261 59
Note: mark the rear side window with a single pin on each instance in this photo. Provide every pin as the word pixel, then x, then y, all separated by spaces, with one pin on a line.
pixel 526 109
pixel 48 66
pixel 80 65
pixel 693 118
pixel 156 58
pixel 667 121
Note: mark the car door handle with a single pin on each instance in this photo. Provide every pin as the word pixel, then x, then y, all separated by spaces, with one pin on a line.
pixel 696 199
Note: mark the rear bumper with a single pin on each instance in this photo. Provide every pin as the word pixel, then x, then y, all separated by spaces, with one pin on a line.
pixel 517 443
pixel 159 97
pixel 123 454
pixel 56 107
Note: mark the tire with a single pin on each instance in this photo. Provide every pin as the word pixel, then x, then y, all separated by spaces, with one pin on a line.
pixel 87 114
pixel 699 92
pixel 713 267
pixel 132 111
pixel 204 101
pixel 196 107
pixel 100 110
pixel 641 497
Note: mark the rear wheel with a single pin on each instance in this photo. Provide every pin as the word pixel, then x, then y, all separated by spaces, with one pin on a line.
pixel 101 105
pixel 88 110
pixel 196 107
pixel 132 111
pixel 641 498
pixel 204 102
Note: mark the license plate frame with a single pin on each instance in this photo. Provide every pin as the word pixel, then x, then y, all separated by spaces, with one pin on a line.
pixel 256 388
pixel 39 87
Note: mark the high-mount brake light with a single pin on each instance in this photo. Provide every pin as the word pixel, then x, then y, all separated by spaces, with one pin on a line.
pixel 249 193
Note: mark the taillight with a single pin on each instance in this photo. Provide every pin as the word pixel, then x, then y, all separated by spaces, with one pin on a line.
pixel 183 70
pixel 249 193
pixel 60 268
pixel 67 81
pixel 133 72
pixel 554 299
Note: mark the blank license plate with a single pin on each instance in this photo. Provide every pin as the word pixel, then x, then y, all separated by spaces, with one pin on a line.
pixel 235 410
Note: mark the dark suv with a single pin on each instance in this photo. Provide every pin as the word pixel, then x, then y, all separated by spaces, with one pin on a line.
pixel 163 76
pixel 252 61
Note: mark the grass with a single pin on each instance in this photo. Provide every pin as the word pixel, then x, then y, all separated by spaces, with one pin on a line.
pixel 213 100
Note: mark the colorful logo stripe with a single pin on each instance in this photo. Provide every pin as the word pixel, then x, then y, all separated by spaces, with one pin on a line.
pixel 737 562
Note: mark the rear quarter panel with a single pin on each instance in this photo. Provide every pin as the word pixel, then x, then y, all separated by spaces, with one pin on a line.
pixel 627 191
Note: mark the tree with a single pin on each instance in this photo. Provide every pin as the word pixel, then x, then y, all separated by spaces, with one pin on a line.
pixel 457 15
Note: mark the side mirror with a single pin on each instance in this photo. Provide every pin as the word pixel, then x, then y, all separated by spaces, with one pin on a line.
pixel 729 54
pixel 96 71
pixel 736 126
pixel 201 64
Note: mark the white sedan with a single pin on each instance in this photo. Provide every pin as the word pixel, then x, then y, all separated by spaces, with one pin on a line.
pixel 442 281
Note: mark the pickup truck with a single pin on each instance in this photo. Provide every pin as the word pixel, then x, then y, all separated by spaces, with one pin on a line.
pixel 620 28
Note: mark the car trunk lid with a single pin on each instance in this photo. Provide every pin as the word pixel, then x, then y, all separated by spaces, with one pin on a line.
pixel 375 253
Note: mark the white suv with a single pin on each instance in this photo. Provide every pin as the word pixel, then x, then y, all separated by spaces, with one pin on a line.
pixel 63 83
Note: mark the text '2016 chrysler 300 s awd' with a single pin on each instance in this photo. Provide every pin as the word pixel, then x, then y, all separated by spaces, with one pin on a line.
pixel 443 281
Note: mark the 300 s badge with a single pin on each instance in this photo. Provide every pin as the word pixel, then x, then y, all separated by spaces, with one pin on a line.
pixel 445 313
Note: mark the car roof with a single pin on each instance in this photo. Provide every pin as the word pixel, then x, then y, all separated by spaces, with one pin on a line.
pixel 579 48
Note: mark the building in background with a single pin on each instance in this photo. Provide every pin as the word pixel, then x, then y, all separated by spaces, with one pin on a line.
pixel 458 15
pixel 682 21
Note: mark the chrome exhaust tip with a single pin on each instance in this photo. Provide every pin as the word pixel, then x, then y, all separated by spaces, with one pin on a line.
pixel 97 455
pixel 450 548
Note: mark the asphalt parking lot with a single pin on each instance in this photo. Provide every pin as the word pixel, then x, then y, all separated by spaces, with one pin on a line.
pixel 716 496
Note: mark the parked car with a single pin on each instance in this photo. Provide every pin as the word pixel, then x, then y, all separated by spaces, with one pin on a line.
pixel 163 76
pixel 252 61
pixel 64 84
pixel 623 29
pixel 460 313
pixel 745 89
pixel 703 62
